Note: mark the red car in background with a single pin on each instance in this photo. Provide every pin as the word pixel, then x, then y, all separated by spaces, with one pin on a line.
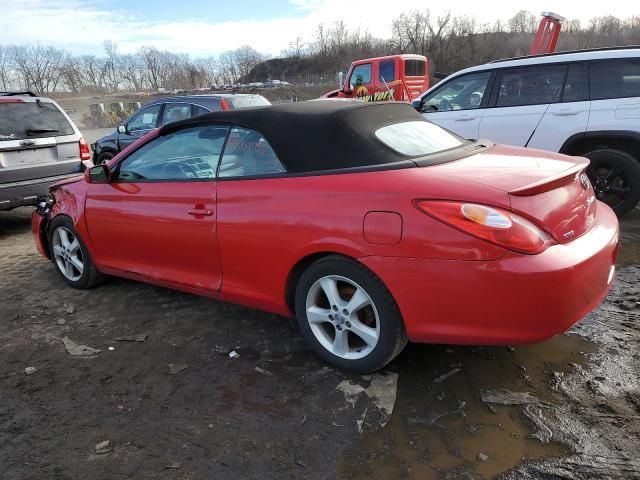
pixel 369 224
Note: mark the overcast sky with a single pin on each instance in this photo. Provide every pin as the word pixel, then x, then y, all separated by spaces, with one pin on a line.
pixel 202 28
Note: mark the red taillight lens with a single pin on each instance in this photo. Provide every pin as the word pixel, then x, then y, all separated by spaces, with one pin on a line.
pixel 495 225
pixel 85 152
pixel 224 105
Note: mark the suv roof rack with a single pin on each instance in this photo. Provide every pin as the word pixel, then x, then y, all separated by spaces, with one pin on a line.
pixel 566 52
pixel 10 94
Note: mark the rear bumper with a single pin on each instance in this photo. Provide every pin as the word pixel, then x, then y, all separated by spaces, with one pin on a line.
pixel 514 300
pixel 26 192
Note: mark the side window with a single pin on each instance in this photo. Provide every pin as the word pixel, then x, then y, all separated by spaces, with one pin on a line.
pixel 188 154
pixel 174 112
pixel 576 87
pixel 615 79
pixel 198 110
pixel 361 75
pixel 462 93
pixel 530 86
pixel 247 153
pixel 387 71
pixel 145 119
pixel 415 68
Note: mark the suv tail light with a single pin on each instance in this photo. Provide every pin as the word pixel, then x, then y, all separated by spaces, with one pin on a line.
pixel 224 105
pixel 85 152
pixel 494 225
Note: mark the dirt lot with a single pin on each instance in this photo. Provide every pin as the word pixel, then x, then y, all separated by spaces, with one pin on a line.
pixel 292 417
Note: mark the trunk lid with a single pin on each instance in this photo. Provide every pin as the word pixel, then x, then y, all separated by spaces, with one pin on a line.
pixel 550 189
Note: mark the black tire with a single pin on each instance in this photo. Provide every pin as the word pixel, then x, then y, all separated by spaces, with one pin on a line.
pixel 615 176
pixel 391 336
pixel 90 275
pixel 104 157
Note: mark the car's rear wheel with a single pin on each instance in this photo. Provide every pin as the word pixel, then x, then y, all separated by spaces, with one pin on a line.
pixel 104 158
pixel 70 256
pixel 348 316
pixel 615 176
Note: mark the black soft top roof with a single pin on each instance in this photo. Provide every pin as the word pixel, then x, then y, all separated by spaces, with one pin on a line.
pixel 318 135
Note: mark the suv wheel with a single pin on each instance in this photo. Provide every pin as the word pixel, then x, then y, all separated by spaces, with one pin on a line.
pixel 348 316
pixel 615 176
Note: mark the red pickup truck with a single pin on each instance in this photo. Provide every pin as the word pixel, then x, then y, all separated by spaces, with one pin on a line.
pixel 395 77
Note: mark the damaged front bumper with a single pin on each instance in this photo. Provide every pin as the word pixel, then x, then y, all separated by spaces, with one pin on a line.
pixel 40 223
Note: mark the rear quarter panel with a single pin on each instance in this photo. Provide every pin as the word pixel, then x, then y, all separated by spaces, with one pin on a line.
pixel 266 226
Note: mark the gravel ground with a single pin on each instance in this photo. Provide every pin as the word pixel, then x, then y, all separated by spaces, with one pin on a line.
pixel 275 411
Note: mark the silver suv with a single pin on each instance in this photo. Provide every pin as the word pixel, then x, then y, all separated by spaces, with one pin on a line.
pixel 39 145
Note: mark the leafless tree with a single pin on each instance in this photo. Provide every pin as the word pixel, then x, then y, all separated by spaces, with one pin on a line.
pixel 450 42
pixel 40 67
pixel 5 67
pixel 523 22
pixel 296 48
pixel 210 68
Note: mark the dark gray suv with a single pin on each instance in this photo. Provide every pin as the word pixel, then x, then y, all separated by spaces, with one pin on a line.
pixel 39 145
pixel 167 110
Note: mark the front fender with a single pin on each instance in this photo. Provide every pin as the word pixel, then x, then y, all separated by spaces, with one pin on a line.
pixel 108 144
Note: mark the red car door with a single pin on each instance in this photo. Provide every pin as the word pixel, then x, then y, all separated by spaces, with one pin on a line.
pixel 157 215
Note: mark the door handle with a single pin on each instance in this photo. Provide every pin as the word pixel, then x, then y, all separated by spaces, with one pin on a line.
pixel 200 212
pixel 466 118
pixel 565 112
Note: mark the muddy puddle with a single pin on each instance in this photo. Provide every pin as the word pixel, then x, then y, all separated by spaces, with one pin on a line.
pixel 442 426
pixel 588 411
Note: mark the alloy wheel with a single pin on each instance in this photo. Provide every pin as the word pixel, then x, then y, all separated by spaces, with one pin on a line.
pixel 610 185
pixel 343 317
pixel 67 253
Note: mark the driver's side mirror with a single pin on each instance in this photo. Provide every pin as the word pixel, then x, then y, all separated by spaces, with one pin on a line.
pixel 122 129
pixel 97 174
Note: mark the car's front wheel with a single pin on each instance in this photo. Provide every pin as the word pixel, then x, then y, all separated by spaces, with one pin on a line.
pixel 348 316
pixel 70 256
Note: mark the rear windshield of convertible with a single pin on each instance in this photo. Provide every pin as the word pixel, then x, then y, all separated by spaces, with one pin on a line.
pixel 418 138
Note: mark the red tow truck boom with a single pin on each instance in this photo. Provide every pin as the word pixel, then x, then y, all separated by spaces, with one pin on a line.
pixel 547 35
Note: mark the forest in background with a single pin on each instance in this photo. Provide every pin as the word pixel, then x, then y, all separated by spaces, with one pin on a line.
pixel 451 43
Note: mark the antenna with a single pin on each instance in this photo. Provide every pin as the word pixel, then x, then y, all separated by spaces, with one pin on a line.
pixel 391 97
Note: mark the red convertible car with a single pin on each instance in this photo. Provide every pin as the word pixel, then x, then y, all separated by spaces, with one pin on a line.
pixel 368 223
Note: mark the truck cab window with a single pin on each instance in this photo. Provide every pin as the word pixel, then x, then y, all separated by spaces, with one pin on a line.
pixel 361 75
pixel 387 71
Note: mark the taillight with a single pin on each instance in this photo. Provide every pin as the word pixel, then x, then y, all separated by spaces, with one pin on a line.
pixel 224 105
pixel 85 152
pixel 494 225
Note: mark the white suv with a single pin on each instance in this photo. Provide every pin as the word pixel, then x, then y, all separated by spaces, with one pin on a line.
pixel 39 145
pixel 583 103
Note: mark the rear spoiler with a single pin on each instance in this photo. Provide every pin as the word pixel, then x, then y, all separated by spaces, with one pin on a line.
pixel 553 182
